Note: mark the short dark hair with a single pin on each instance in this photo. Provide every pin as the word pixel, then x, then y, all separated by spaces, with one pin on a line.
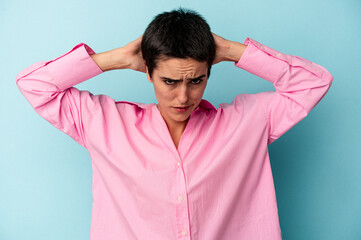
pixel 181 33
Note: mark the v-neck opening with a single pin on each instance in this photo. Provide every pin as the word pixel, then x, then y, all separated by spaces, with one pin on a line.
pixel 169 139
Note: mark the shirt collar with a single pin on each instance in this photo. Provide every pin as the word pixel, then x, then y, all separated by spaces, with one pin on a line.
pixel 204 104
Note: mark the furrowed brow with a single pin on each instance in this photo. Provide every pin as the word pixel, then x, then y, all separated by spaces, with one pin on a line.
pixel 179 80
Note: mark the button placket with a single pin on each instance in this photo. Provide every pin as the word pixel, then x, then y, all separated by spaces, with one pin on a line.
pixel 182 217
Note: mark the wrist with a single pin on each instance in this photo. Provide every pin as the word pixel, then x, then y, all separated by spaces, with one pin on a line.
pixel 110 60
pixel 235 51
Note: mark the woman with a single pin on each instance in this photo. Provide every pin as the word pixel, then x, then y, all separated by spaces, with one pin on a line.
pixel 181 168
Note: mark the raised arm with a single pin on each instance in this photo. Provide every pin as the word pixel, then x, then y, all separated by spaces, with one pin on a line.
pixel 227 50
pixel 300 84
pixel 129 56
pixel 48 85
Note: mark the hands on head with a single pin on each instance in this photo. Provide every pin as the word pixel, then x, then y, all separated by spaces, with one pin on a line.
pixel 133 53
pixel 223 47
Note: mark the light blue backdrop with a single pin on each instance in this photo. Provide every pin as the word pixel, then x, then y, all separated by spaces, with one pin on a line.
pixel 46 178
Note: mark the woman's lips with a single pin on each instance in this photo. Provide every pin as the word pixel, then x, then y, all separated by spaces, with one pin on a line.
pixel 181 109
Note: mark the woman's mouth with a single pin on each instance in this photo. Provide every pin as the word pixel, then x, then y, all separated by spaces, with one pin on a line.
pixel 181 109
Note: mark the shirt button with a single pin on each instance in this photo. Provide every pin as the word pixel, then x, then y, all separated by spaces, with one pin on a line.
pixel 184 232
pixel 180 198
pixel 262 47
pixel 179 163
pixel 278 55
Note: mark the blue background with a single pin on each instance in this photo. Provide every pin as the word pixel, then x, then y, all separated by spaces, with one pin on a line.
pixel 45 176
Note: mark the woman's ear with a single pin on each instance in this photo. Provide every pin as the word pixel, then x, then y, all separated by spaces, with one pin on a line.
pixel 147 72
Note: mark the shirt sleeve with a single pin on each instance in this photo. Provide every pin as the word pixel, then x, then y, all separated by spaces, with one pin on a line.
pixel 300 85
pixel 48 87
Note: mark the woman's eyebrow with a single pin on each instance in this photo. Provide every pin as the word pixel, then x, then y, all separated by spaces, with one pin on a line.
pixel 179 80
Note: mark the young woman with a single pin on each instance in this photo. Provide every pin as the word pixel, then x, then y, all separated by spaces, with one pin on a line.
pixel 181 168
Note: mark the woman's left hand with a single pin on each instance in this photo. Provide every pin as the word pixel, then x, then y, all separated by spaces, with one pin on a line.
pixel 222 48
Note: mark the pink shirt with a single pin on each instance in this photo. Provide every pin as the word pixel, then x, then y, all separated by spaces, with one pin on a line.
pixel 217 185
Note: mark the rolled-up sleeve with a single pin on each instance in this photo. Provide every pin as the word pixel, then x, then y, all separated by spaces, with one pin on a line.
pixel 300 85
pixel 48 87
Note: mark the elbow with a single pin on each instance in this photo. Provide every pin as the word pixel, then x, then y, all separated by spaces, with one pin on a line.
pixel 19 82
pixel 325 80
pixel 326 76
pixel 330 80
pixel 33 85
pixel 19 77
pixel 29 70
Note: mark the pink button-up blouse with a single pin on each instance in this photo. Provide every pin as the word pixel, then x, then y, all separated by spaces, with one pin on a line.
pixel 217 185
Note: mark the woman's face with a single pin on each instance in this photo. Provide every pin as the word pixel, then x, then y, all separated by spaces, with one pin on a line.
pixel 178 83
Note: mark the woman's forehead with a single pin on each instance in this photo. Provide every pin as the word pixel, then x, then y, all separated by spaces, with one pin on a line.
pixel 181 66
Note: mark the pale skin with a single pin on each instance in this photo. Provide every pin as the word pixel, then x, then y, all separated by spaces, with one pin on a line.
pixel 177 82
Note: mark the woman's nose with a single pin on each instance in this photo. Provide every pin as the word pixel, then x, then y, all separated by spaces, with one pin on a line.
pixel 183 95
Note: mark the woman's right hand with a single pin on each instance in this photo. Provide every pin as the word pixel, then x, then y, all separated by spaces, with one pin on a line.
pixel 127 57
pixel 133 55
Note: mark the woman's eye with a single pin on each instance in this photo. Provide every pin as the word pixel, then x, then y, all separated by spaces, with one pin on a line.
pixel 169 82
pixel 172 82
pixel 197 81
